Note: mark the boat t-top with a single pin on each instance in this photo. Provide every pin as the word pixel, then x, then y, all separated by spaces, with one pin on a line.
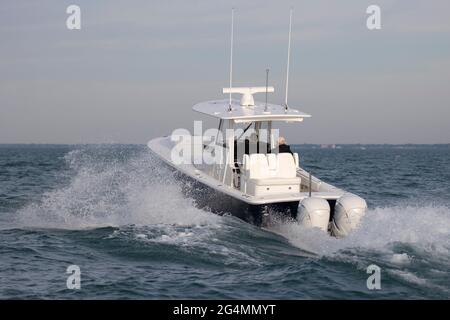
pixel 238 168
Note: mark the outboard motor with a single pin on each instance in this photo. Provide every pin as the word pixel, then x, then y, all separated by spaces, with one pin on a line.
pixel 348 212
pixel 314 212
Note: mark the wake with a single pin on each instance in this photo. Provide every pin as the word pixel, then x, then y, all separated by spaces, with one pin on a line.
pixel 109 187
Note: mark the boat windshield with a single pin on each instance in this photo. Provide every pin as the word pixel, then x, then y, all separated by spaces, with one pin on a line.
pixel 253 137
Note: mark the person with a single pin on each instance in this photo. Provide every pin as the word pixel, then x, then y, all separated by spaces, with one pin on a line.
pixel 283 147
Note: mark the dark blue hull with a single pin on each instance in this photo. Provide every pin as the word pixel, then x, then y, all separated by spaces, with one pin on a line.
pixel 220 203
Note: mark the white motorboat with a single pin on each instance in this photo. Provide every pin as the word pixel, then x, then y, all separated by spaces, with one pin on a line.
pixel 238 168
pixel 246 176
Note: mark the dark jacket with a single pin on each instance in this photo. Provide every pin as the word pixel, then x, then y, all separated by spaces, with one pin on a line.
pixel 284 148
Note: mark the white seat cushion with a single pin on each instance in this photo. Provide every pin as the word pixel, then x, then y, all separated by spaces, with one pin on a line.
pixel 270 174
pixel 258 166
pixel 261 166
pixel 286 166
pixel 272 160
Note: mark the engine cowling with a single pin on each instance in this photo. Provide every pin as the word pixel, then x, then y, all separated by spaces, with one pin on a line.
pixel 348 213
pixel 314 212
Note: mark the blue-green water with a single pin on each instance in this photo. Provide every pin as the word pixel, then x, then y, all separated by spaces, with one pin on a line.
pixel 119 215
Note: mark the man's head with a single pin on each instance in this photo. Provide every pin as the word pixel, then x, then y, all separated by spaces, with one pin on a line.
pixel 281 140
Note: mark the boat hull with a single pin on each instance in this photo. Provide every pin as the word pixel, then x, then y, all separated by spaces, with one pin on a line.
pixel 220 203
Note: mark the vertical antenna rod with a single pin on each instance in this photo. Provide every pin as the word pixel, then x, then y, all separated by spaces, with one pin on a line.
pixel 310 184
pixel 231 56
pixel 288 58
pixel 267 87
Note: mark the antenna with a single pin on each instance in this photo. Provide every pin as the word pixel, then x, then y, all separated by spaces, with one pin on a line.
pixel 267 87
pixel 231 57
pixel 288 58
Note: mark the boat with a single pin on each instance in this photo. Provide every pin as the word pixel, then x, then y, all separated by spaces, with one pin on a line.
pixel 238 169
pixel 248 178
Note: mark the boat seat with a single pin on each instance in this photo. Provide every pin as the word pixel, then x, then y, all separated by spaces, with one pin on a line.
pixel 256 166
pixel 286 166
pixel 270 174
pixel 282 165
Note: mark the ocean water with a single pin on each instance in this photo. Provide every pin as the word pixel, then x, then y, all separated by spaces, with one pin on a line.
pixel 121 216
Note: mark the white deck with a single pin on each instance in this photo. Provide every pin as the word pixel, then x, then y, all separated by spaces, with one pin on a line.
pixel 238 113
pixel 162 148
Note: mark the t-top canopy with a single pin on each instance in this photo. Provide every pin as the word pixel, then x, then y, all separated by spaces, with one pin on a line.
pixel 238 113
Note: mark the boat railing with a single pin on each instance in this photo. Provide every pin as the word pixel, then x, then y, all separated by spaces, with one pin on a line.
pixel 308 181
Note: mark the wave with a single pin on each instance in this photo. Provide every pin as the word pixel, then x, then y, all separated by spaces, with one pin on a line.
pixel 410 244
pixel 424 225
pixel 114 187
pixel 109 186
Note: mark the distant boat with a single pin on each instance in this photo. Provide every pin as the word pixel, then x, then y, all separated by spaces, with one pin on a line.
pixel 328 146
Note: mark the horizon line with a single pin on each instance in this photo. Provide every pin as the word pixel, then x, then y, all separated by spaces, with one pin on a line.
pixel 305 143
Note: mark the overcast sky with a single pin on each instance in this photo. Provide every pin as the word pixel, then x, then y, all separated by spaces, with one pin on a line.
pixel 135 68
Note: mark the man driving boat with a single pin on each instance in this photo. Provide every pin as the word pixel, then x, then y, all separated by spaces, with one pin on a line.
pixel 282 146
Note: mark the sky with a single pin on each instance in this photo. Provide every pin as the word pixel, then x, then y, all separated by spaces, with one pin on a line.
pixel 136 68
